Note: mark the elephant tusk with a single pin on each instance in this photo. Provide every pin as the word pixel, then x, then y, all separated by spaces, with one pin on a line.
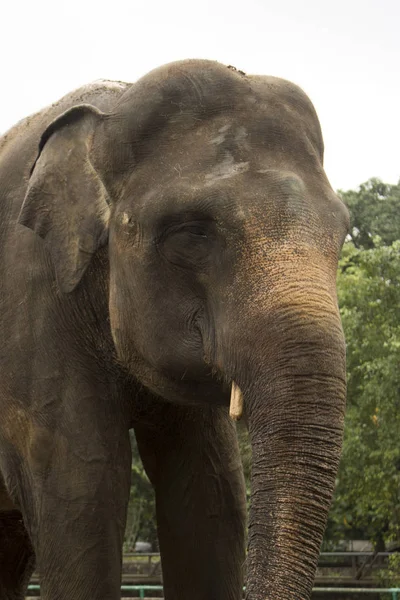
pixel 236 405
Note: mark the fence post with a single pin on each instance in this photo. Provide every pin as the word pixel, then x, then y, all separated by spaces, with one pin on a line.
pixel 394 595
pixel 141 593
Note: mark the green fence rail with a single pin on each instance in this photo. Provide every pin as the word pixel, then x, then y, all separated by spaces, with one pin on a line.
pixel 395 592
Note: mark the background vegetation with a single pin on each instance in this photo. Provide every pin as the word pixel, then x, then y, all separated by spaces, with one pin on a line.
pixel 367 497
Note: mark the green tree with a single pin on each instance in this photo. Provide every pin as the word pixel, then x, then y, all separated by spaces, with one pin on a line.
pixel 374 210
pixel 141 518
pixel 367 496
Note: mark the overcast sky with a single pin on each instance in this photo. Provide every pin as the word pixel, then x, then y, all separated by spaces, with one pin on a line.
pixel 344 53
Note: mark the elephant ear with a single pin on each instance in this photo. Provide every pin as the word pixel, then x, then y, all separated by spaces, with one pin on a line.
pixel 66 203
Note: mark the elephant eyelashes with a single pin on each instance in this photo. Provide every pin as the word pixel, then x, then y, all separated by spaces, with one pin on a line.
pixel 197 230
pixel 188 245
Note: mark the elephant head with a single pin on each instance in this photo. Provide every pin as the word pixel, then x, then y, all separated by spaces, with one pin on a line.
pixel 223 239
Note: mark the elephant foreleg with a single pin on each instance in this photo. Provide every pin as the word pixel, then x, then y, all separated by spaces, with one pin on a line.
pixel 191 456
pixel 73 493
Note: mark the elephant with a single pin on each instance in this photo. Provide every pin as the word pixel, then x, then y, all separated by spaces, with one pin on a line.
pixel 168 256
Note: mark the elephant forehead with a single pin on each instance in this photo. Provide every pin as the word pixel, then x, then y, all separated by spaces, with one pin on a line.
pixel 225 147
pixel 225 169
pixel 222 157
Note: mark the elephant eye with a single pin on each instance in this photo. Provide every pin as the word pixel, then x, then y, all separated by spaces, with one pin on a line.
pixel 198 230
pixel 189 244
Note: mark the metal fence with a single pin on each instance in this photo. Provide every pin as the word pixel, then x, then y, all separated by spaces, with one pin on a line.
pixel 357 569
pixel 142 589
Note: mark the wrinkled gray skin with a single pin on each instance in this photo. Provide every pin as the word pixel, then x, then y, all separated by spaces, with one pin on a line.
pixel 172 236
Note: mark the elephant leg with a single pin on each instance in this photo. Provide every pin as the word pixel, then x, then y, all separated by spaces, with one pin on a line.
pixel 17 558
pixel 73 491
pixel 192 458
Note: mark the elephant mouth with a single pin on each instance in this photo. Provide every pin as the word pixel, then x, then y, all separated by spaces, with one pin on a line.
pixel 211 391
pixel 205 385
pixel 208 389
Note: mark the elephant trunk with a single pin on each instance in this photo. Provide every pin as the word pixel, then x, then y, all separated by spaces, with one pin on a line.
pixel 294 405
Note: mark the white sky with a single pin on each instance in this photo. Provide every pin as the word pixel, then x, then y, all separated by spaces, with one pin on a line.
pixel 344 53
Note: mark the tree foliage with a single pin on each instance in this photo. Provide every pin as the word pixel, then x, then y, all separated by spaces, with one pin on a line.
pixel 141 518
pixel 367 497
pixel 374 211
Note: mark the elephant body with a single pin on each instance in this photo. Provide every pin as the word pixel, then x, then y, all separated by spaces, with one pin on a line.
pixel 158 242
